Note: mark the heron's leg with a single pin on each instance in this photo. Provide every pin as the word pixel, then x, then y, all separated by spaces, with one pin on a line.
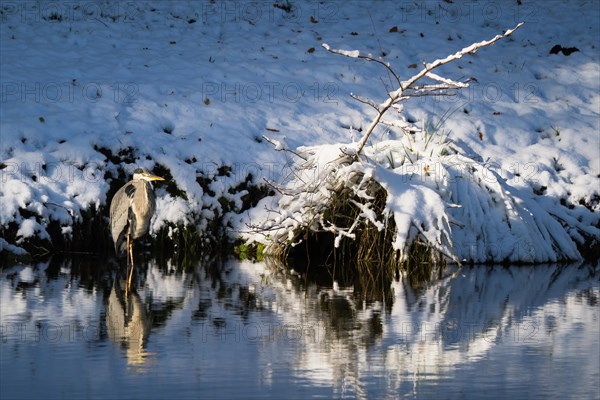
pixel 130 250
pixel 128 267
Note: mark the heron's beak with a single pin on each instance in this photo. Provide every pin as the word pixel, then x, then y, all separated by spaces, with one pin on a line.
pixel 151 177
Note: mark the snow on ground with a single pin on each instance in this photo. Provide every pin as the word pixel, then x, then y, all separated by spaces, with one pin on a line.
pixel 193 86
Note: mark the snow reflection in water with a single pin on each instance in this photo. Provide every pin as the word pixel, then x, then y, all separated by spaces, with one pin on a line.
pixel 243 330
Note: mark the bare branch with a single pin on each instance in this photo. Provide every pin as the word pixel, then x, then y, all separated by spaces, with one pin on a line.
pixel 365 101
pixel 418 92
pixel 368 57
pixel 459 54
pixel 447 81
pixel 394 96
pixel 279 147
pixel 397 123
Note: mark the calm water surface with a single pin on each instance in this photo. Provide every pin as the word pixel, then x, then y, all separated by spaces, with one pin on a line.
pixel 233 329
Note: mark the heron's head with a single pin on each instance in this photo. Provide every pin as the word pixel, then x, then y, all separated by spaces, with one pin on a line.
pixel 144 174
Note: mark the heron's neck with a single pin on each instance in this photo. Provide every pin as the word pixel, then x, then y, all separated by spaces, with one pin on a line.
pixel 147 184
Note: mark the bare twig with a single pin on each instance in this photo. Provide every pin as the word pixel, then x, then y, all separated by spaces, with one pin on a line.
pixel 279 148
pixel 447 81
pixel 365 101
pixel 389 70
pixel 368 57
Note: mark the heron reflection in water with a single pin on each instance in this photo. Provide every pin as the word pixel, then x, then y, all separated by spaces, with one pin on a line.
pixel 128 322
pixel 131 210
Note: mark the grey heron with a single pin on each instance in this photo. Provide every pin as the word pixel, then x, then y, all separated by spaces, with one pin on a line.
pixel 131 209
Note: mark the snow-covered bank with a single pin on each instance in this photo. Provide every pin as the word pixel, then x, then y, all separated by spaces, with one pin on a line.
pixel 91 87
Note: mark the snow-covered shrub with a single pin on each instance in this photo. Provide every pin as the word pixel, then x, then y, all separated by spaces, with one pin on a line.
pixel 383 199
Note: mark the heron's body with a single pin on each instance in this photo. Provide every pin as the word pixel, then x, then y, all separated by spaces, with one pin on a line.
pixel 131 210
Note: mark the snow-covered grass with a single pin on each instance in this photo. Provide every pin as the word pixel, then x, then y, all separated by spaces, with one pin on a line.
pixel 92 88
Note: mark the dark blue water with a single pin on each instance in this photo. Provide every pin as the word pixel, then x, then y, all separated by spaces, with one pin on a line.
pixel 241 330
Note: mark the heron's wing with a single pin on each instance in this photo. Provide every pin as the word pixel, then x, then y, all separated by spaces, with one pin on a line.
pixel 119 214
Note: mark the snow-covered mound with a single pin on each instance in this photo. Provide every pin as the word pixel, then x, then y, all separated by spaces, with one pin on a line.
pixel 459 205
pixel 91 89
